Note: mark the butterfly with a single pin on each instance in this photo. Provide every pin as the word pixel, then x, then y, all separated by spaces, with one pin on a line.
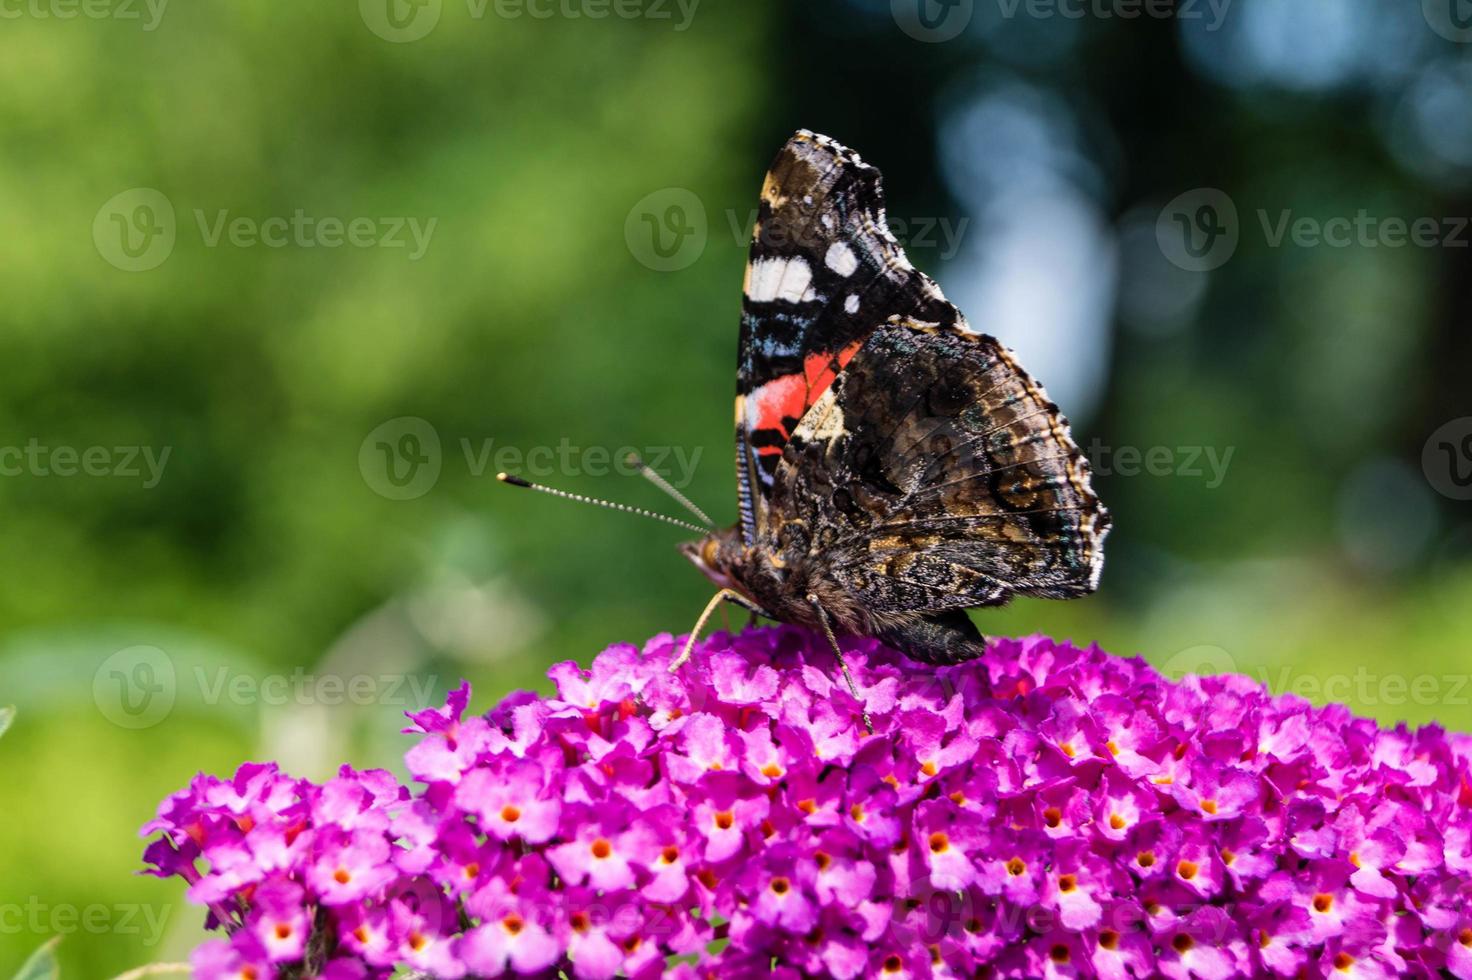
pixel 895 467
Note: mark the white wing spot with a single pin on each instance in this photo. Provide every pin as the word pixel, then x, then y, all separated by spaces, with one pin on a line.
pixel 852 303
pixel 779 279
pixel 841 259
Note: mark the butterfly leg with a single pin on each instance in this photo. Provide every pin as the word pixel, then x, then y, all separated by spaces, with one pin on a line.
pixel 842 663
pixel 710 609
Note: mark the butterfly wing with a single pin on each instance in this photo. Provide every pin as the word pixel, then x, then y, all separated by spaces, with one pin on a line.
pixel 933 475
pixel 824 271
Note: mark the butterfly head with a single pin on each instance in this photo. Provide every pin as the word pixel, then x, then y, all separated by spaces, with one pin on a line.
pixel 717 555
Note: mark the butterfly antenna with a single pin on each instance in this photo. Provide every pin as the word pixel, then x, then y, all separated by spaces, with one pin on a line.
pixel 653 477
pixel 517 481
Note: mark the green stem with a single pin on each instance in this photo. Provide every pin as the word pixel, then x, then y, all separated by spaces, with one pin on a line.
pixel 153 970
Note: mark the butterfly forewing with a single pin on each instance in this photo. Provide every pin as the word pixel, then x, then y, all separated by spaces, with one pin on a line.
pixel 824 271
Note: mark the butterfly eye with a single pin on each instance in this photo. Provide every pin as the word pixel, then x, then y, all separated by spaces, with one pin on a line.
pixel 708 551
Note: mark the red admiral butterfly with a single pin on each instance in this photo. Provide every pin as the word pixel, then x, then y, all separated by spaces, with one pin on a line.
pixel 895 466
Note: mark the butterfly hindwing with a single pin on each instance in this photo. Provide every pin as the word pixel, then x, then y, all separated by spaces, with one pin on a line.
pixel 935 475
pixel 824 271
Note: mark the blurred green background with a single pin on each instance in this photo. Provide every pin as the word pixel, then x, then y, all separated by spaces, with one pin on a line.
pixel 289 530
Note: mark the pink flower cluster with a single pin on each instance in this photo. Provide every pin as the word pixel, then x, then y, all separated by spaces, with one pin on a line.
pixel 1046 811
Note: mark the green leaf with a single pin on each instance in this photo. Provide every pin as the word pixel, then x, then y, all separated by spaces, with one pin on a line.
pixel 7 715
pixel 42 964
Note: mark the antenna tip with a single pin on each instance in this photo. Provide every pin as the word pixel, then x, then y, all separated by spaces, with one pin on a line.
pixel 515 481
pixel 632 459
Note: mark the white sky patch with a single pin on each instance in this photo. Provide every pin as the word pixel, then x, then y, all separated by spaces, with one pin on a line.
pixel 779 279
pixel 841 259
